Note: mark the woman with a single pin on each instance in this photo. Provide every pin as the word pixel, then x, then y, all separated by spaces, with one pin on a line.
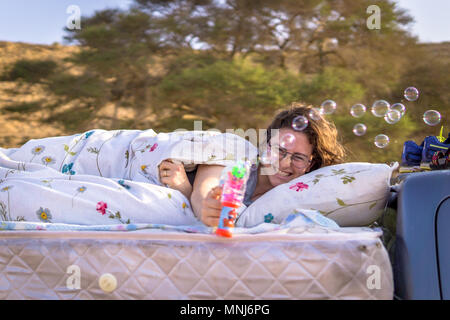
pixel 314 147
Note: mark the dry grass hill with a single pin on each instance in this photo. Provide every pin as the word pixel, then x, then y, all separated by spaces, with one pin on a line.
pixel 13 129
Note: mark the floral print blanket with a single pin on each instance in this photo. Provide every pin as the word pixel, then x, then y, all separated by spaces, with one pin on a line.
pixel 304 221
pixel 106 180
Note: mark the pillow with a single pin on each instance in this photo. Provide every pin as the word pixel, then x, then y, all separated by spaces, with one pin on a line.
pixel 351 194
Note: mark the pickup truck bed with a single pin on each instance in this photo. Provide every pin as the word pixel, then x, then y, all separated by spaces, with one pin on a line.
pixel 421 255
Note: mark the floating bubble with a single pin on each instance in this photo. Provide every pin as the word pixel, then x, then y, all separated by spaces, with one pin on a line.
pixel 287 141
pixel 359 129
pixel 392 116
pixel 315 114
pixel 399 107
pixel 328 107
pixel 432 117
pixel 380 108
pixel 358 110
pixel 300 123
pixel 381 140
pixel 411 94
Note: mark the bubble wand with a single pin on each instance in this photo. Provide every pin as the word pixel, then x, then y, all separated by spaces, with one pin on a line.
pixel 234 180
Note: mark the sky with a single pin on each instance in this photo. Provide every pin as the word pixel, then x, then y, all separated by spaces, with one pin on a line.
pixel 432 18
pixel 42 21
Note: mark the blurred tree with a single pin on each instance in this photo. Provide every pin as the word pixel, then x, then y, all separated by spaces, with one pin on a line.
pixel 311 29
pixel 430 73
pixel 221 92
pixel 337 83
pixel 226 28
pixel 117 50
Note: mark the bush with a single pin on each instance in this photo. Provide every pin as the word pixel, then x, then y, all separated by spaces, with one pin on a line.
pixel 31 71
pixel 234 93
pixel 337 84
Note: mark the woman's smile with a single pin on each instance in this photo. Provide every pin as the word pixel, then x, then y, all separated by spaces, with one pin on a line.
pixel 283 175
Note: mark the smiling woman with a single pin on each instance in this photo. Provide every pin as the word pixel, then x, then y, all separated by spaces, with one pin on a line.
pixel 321 134
pixel 311 148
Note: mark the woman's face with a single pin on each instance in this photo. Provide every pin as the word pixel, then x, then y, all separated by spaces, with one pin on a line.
pixel 291 166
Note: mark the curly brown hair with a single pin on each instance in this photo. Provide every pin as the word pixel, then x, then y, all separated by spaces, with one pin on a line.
pixel 322 134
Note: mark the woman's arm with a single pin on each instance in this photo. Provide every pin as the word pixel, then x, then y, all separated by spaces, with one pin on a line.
pixel 205 198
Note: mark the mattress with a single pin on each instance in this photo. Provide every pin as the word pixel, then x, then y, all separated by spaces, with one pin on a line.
pixel 158 264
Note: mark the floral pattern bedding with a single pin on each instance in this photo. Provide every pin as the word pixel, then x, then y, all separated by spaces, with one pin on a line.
pixel 106 177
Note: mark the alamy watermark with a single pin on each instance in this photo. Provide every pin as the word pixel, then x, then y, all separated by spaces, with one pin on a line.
pixel 74 280
pixel 374 280
pixel 373 22
pixel 74 20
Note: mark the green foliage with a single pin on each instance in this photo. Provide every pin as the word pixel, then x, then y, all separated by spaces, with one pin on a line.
pixel 362 148
pixel 225 90
pixel 23 108
pixel 432 79
pixel 31 71
pixel 114 41
pixel 77 87
pixel 75 120
pixel 333 83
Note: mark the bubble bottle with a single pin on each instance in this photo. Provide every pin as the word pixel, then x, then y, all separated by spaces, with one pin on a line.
pixel 233 181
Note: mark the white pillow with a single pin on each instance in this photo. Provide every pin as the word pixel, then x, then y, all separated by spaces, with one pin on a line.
pixel 351 194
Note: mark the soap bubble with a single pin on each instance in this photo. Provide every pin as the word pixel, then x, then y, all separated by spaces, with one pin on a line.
pixel 381 140
pixel 400 107
pixel 380 108
pixel 358 110
pixel 392 116
pixel 315 114
pixel 411 94
pixel 300 123
pixel 359 129
pixel 432 117
pixel 287 141
pixel 328 107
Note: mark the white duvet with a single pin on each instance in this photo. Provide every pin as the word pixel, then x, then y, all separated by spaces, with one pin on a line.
pixel 107 177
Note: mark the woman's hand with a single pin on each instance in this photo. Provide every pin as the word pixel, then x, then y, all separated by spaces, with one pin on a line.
pixel 211 207
pixel 205 198
pixel 173 175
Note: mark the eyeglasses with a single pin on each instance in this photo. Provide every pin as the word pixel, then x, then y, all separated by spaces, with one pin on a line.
pixel 299 161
